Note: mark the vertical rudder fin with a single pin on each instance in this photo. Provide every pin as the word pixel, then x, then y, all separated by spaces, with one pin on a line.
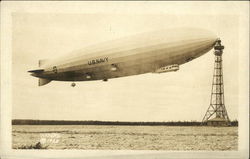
pixel 43 81
pixel 42 62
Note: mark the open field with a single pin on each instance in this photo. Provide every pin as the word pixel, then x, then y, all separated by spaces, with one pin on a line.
pixel 102 137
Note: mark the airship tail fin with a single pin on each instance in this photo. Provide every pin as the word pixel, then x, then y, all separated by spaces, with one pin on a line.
pixel 43 81
pixel 36 71
pixel 42 62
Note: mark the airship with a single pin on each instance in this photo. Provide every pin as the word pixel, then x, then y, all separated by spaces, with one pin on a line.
pixel 150 52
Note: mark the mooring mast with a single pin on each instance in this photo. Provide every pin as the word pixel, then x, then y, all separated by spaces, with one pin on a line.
pixel 216 113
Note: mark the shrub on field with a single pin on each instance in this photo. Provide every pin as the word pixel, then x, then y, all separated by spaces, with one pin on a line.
pixel 36 146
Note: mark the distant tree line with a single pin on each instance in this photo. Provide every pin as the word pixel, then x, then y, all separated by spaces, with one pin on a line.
pixel 91 122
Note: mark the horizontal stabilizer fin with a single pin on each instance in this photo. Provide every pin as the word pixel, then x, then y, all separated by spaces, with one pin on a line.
pixel 43 81
pixel 36 71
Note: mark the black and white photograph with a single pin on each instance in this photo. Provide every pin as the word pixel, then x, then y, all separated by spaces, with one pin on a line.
pixel 125 78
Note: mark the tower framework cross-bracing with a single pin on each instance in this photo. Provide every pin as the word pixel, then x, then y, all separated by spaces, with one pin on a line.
pixel 216 114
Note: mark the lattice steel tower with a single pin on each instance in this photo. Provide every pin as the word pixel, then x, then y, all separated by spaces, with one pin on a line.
pixel 216 111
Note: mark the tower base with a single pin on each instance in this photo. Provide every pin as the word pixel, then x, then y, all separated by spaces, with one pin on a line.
pixel 217 122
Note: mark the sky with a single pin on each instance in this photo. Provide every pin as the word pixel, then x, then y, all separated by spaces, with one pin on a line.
pixel 173 96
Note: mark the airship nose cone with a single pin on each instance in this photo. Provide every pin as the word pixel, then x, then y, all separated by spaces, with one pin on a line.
pixel 201 42
pixel 191 43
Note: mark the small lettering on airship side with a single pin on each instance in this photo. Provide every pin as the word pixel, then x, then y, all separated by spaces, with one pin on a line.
pixel 97 61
